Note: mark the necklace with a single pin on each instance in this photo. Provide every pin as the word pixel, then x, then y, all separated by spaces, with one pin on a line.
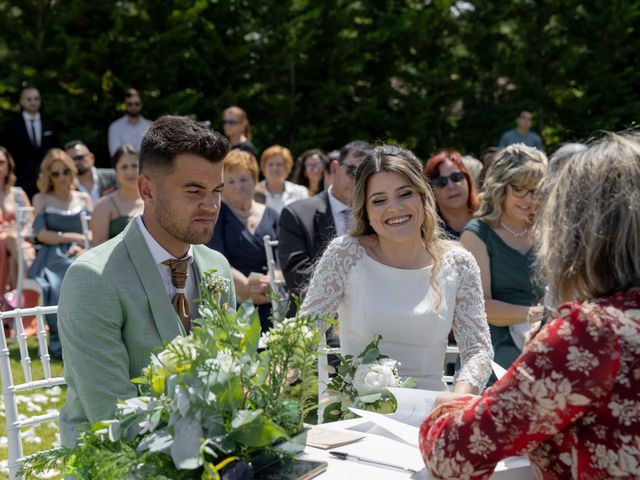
pixel 516 235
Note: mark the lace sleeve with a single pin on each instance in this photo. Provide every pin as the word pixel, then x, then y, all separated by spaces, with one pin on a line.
pixel 329 279
pixel 470 325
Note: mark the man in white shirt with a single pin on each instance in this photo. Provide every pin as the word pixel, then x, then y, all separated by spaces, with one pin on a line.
pixel 28 136
pixel 307 226
pixel 131 127
pixel 94 181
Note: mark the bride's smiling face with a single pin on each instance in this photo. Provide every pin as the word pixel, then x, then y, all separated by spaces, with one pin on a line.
pixel 394 207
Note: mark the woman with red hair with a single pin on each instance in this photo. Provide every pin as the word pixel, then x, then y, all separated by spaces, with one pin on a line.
pixel 453 189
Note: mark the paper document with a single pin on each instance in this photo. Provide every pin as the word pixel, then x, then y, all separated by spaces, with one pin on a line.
pixel 498 370
pixel 326 438
pixel 413 405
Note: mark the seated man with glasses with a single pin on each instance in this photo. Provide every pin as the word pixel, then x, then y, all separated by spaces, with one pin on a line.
pixel 131 127
pixel 94 181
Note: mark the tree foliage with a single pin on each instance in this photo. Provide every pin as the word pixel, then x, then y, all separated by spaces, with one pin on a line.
pixel 424 73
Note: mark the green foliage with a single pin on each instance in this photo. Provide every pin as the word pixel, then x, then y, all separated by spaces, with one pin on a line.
pixel 318 74
pixel 221 392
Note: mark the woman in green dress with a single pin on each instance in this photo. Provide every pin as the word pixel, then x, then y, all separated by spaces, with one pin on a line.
pixel 500 239
pixel 114 211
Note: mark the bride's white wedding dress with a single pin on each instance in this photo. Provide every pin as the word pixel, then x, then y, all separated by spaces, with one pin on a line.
pixel 413 317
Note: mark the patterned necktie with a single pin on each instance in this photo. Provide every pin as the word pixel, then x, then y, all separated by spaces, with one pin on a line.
pixel 346 216
pixel 179 274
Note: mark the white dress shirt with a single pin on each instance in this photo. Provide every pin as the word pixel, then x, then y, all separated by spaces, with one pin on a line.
pixel 337 209
pixel 94 193
pixel 292 192
pixel 37 125
pixel 122 131
pixel 159 255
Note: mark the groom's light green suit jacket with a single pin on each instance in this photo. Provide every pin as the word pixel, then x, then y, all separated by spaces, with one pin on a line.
pixel 114 311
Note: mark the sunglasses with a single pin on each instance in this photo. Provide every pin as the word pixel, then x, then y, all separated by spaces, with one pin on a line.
pixel 351 170
pixel 314 166
pixel 230 122
pixel 522 192
pixel 66 172
pixel 77 158
pixel 442 181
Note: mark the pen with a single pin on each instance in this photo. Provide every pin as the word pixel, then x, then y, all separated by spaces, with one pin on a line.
pixel 356 458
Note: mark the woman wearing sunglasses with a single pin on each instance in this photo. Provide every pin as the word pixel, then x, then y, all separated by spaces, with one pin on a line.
pixel 59 230
pixel 500 238
pixel 235 124
pixel 454 190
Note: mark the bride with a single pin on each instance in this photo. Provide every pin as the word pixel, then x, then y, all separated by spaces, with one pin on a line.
pixel 393 275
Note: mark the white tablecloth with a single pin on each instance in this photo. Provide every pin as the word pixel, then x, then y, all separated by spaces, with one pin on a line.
pixel 379 445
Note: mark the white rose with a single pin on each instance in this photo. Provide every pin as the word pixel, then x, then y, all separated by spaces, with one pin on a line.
pixel 373 378
pixel 168 357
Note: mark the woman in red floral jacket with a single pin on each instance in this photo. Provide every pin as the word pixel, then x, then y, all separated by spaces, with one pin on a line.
pixel 571 401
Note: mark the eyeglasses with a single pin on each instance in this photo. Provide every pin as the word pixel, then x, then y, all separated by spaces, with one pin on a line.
pixel 77 158
pixel 314 166
pixel 442 181
pixel 230 122
pixel 351 170
pixel 66 172
pixel 522 192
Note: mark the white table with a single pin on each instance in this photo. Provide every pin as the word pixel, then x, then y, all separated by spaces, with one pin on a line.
pixel 378 444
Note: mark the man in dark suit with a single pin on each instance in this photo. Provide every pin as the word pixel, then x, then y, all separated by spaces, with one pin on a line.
pixel 28 136
pixel 94 181
pixel 307 226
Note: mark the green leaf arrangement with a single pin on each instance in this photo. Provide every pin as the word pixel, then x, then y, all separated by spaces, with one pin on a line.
pixel 222 395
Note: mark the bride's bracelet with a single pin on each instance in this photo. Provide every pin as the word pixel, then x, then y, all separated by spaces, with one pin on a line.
pixel 534 314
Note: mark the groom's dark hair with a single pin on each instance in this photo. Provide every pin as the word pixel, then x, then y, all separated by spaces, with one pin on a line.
pixel 170 136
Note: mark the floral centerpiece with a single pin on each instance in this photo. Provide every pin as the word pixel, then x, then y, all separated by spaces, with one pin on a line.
pixel 361 382
pixel 210 402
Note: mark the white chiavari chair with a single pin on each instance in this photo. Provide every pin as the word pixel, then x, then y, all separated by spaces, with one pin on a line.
pixel 279 294
pixel 14 423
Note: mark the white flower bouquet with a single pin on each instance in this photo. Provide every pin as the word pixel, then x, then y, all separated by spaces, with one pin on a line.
pixel 361 382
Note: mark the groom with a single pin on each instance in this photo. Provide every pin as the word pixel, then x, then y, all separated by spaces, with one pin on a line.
pixel 117 301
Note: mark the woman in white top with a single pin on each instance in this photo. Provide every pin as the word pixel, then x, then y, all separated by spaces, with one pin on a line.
pixel 393 275
pixel 276 163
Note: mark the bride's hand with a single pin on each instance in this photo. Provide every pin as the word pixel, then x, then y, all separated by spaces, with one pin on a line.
pixel 448 397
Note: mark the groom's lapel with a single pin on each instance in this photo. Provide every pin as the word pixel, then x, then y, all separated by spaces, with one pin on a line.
pixel 162 311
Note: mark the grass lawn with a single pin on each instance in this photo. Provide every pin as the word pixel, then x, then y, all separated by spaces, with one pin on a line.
pixel 32 403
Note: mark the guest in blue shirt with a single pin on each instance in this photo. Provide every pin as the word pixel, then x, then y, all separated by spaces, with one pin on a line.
pixel 240 229
pixel 521 133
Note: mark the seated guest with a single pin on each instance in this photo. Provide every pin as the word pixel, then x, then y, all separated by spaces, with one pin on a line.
pixel 94 181
pixel 240 229
pixel 311 168
pixel 393 275
pixel 501 240
pixel 59 230
pixel 115 211
pixel 570 402
pixel 235 124
pixel 11 198
pixel 454 190
pixel 276 163
pixel 126 297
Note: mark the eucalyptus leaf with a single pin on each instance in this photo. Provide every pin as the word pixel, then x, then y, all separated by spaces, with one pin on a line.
pixel 259 433
pixel 185 450
pixel 243 417
pixel 160 441
pixel 374 397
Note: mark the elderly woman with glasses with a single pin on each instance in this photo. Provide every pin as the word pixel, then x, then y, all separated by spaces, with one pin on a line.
pixel 501 240
pixel 59 230
pixel 454 190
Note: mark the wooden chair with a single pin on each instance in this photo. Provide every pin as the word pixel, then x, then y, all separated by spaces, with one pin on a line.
pixel 9 390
